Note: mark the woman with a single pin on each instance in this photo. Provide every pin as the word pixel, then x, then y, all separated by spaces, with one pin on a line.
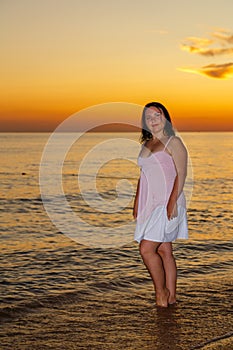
pixel 159 206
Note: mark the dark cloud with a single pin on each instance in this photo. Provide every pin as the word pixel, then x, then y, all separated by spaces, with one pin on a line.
pixel 208 52
pixel 219 43
pixel 224 36
pixel 219 71
pixel 202 46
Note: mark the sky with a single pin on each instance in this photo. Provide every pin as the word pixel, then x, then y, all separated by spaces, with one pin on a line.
pixel 61 56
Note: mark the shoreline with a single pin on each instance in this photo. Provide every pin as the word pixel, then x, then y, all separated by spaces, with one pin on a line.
pixel 126 319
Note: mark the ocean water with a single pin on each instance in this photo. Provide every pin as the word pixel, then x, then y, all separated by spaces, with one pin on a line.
pixel 62 287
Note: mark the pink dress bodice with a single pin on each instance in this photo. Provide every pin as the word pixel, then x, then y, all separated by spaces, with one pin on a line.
pixel 158 173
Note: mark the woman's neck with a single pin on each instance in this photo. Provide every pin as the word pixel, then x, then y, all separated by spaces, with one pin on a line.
pixel 158 136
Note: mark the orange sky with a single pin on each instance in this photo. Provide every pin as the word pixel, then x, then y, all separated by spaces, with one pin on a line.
pixel 59 57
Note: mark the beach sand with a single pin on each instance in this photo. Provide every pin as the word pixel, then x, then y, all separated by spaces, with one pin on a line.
pixel 114 320
pixel 223 344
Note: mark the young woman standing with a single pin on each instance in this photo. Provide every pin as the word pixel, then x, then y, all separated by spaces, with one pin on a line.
pixel 160 206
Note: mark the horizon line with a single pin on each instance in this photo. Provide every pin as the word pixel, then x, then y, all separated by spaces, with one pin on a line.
pixel 98 131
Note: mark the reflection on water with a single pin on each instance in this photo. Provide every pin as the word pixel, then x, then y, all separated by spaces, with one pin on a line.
pixel 103 297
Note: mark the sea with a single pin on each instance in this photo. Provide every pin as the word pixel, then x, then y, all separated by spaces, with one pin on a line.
pixel 71 273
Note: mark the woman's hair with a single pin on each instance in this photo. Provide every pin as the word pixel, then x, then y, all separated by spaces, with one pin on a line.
pixel 168 128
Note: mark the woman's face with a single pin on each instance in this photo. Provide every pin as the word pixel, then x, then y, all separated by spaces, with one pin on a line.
pixel 155 120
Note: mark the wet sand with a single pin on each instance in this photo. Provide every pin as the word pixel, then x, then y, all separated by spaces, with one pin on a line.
pixel 224 344
pixel 111 320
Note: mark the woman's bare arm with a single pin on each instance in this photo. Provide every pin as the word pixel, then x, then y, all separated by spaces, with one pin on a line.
pixel 135 206
pixel 180 158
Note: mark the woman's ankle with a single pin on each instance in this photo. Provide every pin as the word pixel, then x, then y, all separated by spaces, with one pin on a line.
pixel 172 299
pixel 162 297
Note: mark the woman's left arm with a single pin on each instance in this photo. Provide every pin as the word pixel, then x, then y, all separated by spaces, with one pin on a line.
pixel 180 158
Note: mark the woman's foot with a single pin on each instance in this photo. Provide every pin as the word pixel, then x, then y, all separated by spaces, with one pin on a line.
pixel 171 300
pixel 162 298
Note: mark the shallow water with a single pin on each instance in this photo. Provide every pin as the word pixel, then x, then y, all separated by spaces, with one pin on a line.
pixel 57 293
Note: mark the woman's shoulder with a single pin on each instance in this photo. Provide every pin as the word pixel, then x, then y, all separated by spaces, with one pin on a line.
pixel 175 140
pixel 176 143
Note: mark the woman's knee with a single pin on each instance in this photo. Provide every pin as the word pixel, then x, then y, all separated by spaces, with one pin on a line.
pixel 147 247
pixel 165 250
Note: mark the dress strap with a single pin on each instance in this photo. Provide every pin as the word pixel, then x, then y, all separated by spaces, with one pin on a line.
pixel 167 142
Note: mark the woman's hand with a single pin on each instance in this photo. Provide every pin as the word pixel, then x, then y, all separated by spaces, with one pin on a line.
pixel 172 211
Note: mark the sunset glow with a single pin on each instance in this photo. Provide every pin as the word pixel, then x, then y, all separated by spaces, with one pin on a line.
pixel 59 57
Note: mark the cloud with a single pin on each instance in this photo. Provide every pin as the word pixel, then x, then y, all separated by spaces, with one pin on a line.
pixel 202 46
pixel 195 41
pixel 208 52
pixel 219 43
pixel 219 71
pixel 223 36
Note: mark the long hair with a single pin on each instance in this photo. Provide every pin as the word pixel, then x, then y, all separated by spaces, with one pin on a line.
pixel 168 128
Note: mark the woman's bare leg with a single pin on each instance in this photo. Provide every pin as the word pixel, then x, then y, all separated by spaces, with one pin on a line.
pixel 153 262
pixel 169 263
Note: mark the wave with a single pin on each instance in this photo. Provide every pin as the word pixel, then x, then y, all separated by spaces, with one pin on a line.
pixel 93 291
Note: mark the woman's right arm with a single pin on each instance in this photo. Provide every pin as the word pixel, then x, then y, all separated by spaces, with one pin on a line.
pixel 135 206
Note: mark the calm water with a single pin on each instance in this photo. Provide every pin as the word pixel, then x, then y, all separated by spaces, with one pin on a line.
pixel 98 297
